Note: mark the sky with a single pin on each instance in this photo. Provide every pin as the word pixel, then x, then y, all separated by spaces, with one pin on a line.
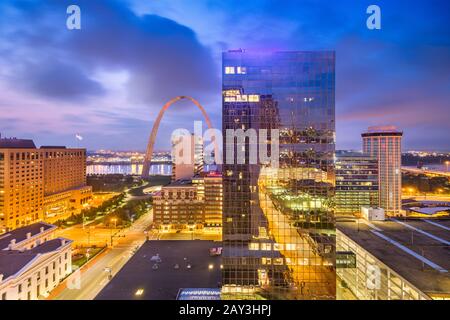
pixel 108 81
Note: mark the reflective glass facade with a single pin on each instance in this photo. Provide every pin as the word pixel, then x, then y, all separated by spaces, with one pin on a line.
pixel 278 222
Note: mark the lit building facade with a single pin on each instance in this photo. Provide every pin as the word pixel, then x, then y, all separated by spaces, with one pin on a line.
pixel 33 262
pixel 385 144
pixel 21 183
pixel 356 182
pixel 177 206
pixel 209 187
pixel 65 189
pixel 47 183
pixel 278 222
pixel 194 203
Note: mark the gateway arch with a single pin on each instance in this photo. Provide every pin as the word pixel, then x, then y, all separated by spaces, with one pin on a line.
pixel 152 139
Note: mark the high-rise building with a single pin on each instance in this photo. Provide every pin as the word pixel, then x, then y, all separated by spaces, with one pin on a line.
pixel 21 183
pixel 65 189
pixel 356 182
pixel 278 221
pixel 47 183
pixel 187 156
pixel 385 143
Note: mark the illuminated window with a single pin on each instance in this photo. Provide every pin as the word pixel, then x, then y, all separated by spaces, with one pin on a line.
pixel 253 98
pixel 241 70
pixel 229 70
pixel 278 246
pixel 230 93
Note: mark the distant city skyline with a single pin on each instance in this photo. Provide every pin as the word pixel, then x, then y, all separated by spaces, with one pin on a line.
pixel 107 81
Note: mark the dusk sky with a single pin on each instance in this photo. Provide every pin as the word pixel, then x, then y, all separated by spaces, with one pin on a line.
pixel 108 80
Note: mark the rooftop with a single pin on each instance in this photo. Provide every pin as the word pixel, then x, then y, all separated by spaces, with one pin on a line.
pixel 165 282
pixel 20 234
pixel 12 261
pixel 53 147
pixel 14 143
pixel 179 183
pixel 418 250
pixel 382 130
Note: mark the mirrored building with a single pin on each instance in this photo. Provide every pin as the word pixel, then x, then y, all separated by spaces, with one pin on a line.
pixel 278 220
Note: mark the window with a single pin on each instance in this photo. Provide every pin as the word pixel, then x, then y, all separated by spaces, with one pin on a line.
pixel 241 70
pixel 229 70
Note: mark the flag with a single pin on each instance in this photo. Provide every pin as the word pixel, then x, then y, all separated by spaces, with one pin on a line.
pixel 78 137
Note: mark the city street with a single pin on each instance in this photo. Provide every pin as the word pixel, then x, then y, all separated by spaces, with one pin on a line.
pixel 93 276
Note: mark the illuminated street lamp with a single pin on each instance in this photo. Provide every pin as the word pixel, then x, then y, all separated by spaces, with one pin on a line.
pixel 139 292
pixel 114 220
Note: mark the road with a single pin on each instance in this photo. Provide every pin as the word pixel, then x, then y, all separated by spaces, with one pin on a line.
pixel 93 277
pixel 428 197
pixel 427 172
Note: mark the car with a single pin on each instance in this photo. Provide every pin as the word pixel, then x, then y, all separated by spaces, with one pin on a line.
pixel 176 266
pixel 155 266
pixel 215 251
pixel 188 266
pixel 156 258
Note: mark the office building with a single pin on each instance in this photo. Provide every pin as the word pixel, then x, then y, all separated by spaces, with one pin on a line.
pixel 385 143
pixel 356 182
pixel 65 189
pixel 194 203
pixel 177 206
pixel 32 262
pixel 278 222
pixel 47 183
pixel 187 156
pixel 210 189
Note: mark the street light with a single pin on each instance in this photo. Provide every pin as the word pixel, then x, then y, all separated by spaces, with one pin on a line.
pixel 114 220
pixel 447 163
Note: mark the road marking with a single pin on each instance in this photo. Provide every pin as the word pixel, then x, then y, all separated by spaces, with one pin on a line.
pixel 371 225
pixel 436 224
pixel 429 235
pixel 409 251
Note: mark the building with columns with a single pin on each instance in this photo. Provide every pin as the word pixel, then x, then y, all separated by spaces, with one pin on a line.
pixel 32 262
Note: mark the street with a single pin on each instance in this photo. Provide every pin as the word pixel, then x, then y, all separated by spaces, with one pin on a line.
pixel 93 277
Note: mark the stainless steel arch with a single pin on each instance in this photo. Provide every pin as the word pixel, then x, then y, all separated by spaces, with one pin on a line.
pixel 151 140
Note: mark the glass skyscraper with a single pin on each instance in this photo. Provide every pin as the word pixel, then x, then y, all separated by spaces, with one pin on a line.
pixel 278 222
